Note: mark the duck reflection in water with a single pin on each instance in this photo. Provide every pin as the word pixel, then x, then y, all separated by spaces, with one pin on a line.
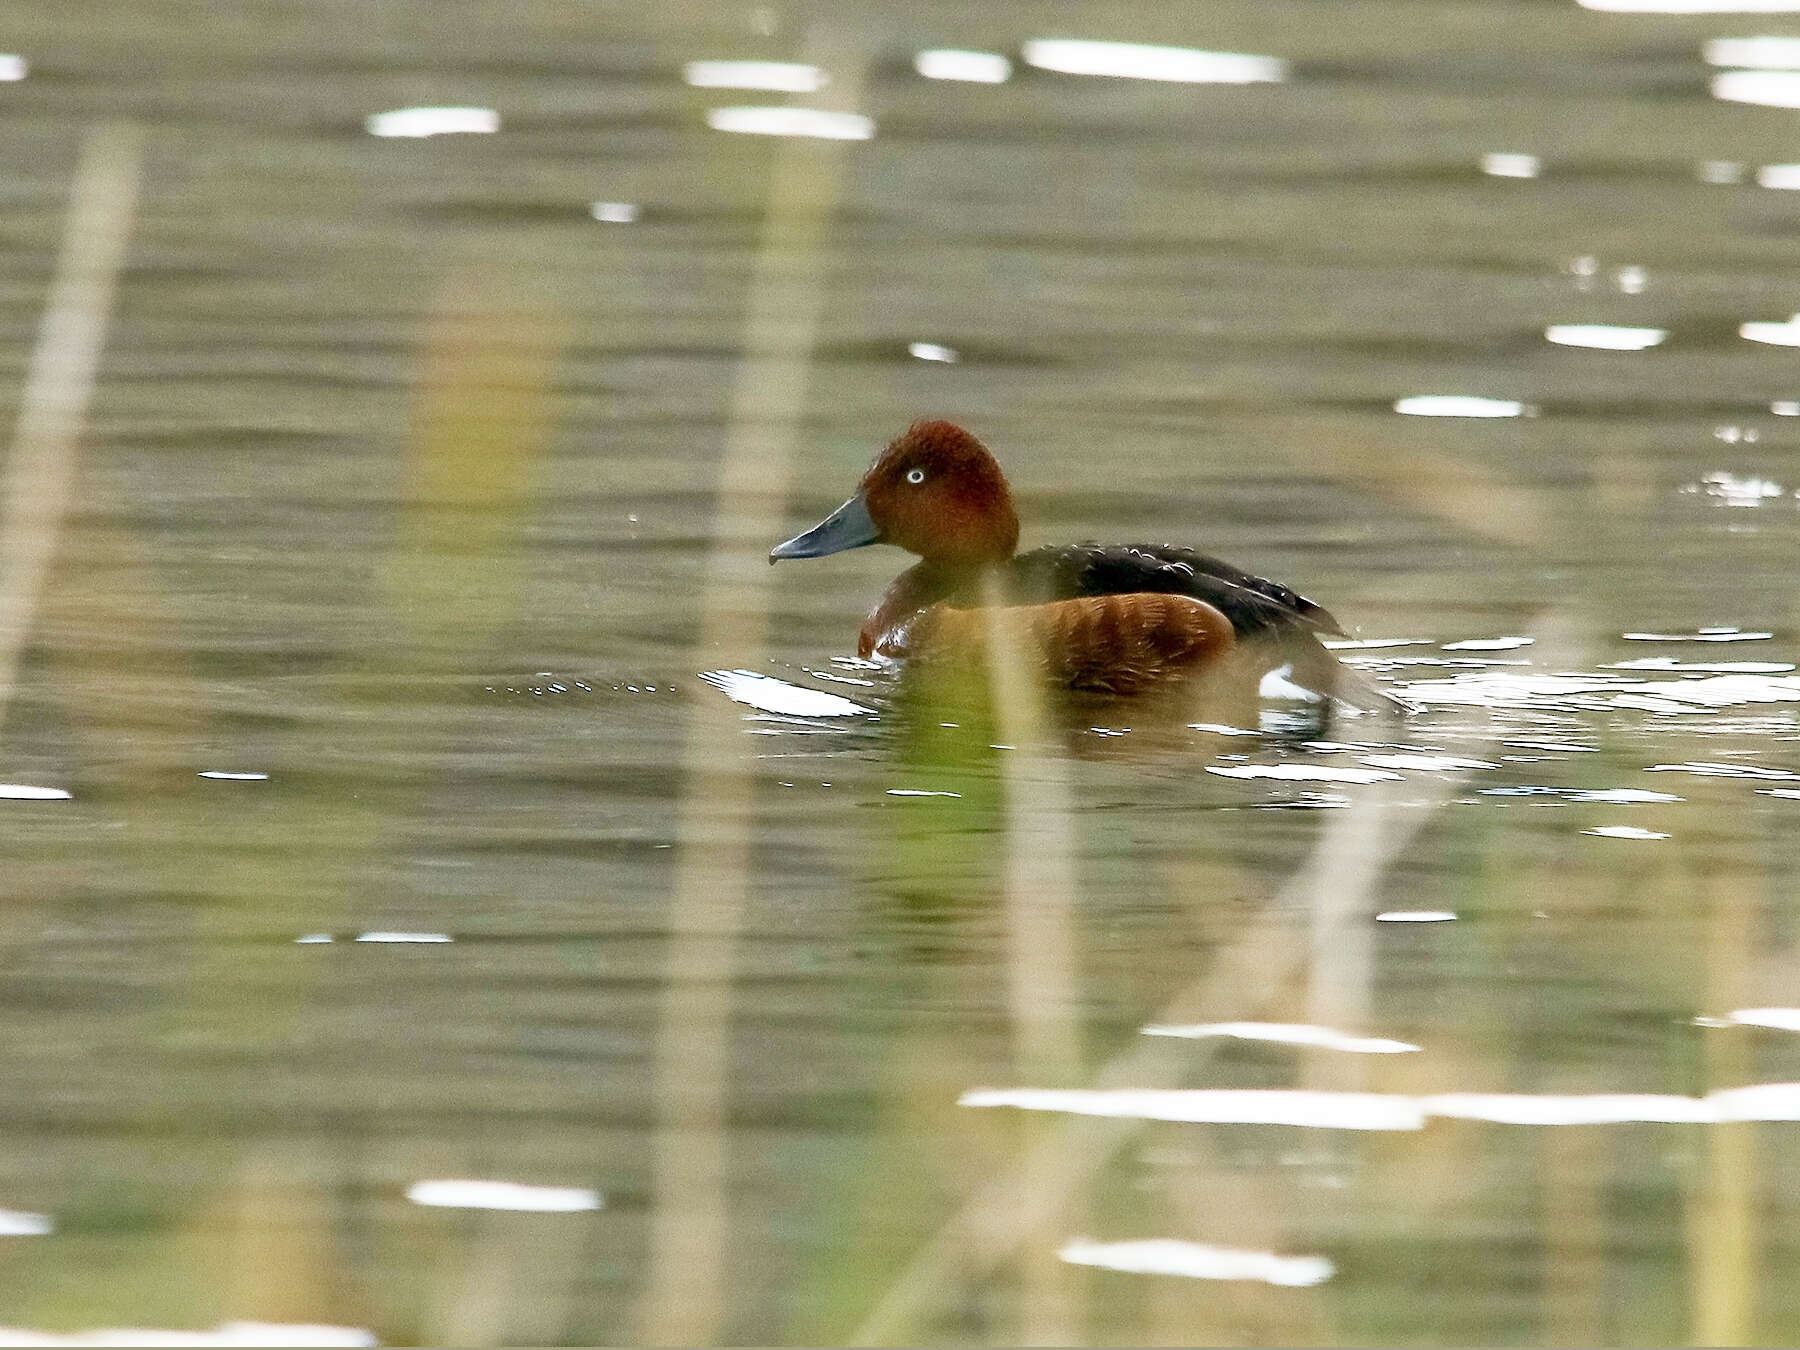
pixel 1095 619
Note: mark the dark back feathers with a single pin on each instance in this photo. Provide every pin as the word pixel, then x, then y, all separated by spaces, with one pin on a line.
pixel 1255 605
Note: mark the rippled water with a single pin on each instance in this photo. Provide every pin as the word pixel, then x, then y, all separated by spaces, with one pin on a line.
pixel 457 893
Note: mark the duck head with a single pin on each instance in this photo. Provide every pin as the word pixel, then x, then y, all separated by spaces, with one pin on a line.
pixel 935 491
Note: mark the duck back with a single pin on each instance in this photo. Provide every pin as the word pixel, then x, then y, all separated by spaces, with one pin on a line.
pixel 1255 605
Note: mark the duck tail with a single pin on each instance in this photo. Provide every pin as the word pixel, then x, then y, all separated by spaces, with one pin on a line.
pixel 1359 691
pixel 1316 668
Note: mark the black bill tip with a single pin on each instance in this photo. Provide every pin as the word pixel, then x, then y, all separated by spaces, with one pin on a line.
pixel 850 526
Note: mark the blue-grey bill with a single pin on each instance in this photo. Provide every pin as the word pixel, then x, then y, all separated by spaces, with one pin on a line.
pixel 847 527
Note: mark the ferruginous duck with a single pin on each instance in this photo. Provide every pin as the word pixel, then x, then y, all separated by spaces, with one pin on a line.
pixel 1107 618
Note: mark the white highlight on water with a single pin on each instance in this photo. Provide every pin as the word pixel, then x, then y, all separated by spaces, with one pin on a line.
pixel 1702 768
pixel 1777 1019
pixel 1216 1106
pixel 1428 762
pixel 26 792
pixel 1625 832
pixel 1458 405
pixel 1604 336
pixel 614 213
pixel 1304 773
pixel 1497 644
pixel 1287 1033
pixel 1766 88
pixel 1784 334
pixel 950 63
pixel 1501 165
pixel 783 77
pixel 465 1194
pixel 1141 61
pixel 1416 916
pixel 1392 1111
pixel 1736 491
pixel 22 1223
pixel 1754 53
pixel 933 351
pixel 1197 1260
pixel 769 694
pixel 1492 688
pixel 1712 692
pixel 419 122
pixel 382 935
pixel 815 122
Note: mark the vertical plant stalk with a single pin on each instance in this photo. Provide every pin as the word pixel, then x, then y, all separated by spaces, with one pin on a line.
pixel 1722 1241
pixel 60 383
pixel 683 1301
pixel 1040 929
pixel 483 409
pixel 482 415
pixel 1040 867
pixel 1577 1164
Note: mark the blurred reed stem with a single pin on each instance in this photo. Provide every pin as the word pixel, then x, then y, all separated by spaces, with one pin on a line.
pixel 1043 980
pixel 684 1294
pixel 60 382
pixel 1721 1213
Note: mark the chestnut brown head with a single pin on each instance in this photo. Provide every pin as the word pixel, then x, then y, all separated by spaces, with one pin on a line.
pixel 935 491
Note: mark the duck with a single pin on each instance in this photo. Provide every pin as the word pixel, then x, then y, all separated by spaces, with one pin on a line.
pixel 1109 619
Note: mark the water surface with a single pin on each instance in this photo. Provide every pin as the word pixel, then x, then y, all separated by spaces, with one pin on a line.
pixel 413 838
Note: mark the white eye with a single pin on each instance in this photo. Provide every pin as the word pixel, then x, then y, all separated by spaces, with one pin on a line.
pixel 915 475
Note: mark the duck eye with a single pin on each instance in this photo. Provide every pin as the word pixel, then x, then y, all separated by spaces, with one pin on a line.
pixel 915 475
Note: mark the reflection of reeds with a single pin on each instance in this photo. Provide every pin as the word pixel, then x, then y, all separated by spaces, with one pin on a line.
pixel 41 467
pixel 684 1293
pixel 480 419
pixel 1001 1220
pixel 1575 1165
